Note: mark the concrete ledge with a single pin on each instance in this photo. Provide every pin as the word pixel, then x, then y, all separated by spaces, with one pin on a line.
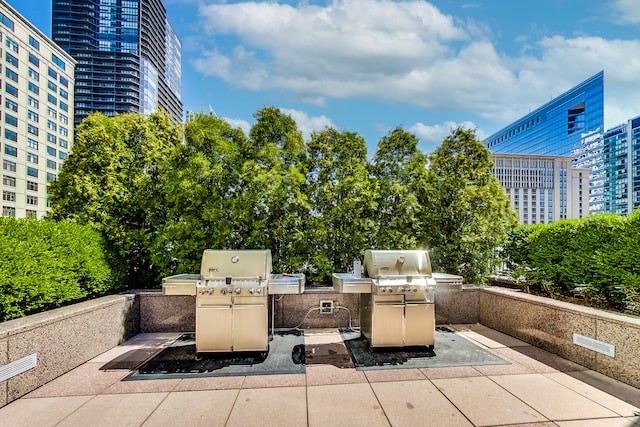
pixel 550 325
pixel 63 339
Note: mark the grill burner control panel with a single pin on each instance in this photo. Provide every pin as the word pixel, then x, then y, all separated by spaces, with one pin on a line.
pixel 229 286
pixel 404 286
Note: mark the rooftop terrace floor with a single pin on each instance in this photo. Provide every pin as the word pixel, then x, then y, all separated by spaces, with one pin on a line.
pixel 537 388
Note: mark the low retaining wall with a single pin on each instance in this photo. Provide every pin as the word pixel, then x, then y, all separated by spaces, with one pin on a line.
pixel 550 325
pixel 67 337
pixel 176 313
pixel 62 339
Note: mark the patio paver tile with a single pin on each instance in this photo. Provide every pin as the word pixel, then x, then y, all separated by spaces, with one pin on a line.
pixel 208 408
pixel 348 405
pixel 412 403
pixel 281 407
pixel 41 412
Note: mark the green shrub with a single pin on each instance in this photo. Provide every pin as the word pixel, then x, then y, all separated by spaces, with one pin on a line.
pixel 45 264
pixel 597 254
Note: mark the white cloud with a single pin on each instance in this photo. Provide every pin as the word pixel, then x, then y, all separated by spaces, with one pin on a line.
pixel 307 124
pixel 406 52
pixel 432 135
pixel 239 123
pixel 628 11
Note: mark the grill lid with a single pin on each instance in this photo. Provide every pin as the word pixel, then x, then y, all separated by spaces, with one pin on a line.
pixel 400 263
pixel 217 264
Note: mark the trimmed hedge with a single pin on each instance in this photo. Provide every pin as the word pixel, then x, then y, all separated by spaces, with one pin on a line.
pixel 598 255
pixel 46 264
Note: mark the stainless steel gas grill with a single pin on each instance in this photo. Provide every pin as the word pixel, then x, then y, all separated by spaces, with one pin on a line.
pixel 232 291
pixel 397 297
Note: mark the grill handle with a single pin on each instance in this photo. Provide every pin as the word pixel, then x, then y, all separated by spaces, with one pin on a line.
pixel 236 306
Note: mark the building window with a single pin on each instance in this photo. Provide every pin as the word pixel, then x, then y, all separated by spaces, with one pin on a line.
pixel 52 86
pixel 33 130
pixel 11 59
pixel 8 165
pixel 51 164
pixel 62 155
pixel 33 116
pixel 64 82
pixel 52 99
pixel 9 211
pixel 63 119
pixel 52 125
pixel 52 112
pixel 32 158
pixel 11 135
pixel 33 102
pixel 51 151
pixel 59 62
pixel 8 196
pixel 34 88
pixel 10 89
pixel 51 177
pixel 34 43
pixel 32 186
pixel 63 106
pixel 8 181
pixel 63 131
pixel 11 44
pixel 7 22
pixel 11 75
pixel 32 200
pixel 32 171
pixel 52 73
pixel 13 106
pixel 32 143
pixel 32 214
pixel 51 138
pixel 34 59
pixel 10 150
pixel 64 94
pixel 34 74
pixel 63 143
pixel 10 120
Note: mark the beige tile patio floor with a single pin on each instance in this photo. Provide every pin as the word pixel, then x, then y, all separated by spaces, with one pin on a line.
pixel 536 389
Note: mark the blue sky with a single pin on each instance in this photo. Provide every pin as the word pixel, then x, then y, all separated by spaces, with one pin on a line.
pixel 368 66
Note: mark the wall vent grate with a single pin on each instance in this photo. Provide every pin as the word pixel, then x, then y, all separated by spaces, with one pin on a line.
pixel 19 366
pixel 595 345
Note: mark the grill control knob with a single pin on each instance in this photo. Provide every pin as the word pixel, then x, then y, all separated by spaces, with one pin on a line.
pixel 415 289
pixel 223 291
pixel 389 289
pixel 211 291
pixel 400 289
pixel 251 291
pixel 238 290
pixel 201 291
pixel 259 291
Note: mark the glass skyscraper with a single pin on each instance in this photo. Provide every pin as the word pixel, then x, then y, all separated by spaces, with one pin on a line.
pixel 621 157
pixel 128 55
pixel 562 127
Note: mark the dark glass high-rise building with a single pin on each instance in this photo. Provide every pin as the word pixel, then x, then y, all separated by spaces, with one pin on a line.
pixel 128 55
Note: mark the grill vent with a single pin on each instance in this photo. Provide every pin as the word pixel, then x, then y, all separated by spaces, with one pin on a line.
pixel 19 366
pixel 595 345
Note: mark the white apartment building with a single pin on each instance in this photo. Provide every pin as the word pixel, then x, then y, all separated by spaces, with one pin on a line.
pixel 543 189
pixel 36 121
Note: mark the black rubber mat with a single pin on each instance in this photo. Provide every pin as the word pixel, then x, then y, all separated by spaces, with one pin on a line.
pixel 285 356
pixel 450 349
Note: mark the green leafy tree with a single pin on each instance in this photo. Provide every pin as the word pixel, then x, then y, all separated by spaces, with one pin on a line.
pixel 399 169
pixel 342 197
pixel 113 181
pixel 202 180
pixel 466 209
pixel 272 206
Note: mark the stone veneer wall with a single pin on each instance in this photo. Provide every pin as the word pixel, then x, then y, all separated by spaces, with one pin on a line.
pixel 63 339
pixel 550 324
pixel 172 313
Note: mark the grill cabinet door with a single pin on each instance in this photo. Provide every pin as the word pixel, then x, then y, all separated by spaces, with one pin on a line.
pixel 387 321
pixel 213 324
pixel 250 324
pixel 419 324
